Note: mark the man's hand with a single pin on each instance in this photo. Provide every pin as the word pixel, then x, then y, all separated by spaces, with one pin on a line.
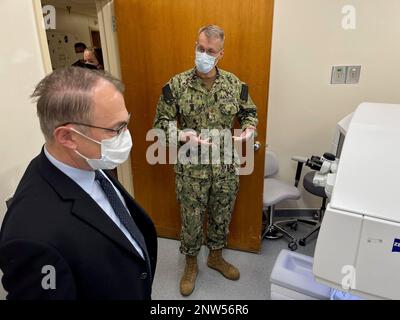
pixel 190 136
pixel 246 134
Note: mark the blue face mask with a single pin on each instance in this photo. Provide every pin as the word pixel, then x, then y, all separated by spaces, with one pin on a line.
pixel 204 62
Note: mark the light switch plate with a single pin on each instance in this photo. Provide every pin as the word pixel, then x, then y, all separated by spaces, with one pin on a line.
pixel 339 75
pixel 353 74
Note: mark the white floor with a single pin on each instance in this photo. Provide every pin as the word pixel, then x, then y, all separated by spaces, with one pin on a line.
pixel 255 271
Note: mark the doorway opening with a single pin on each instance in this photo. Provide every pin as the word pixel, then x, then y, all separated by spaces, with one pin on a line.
pixel 77 28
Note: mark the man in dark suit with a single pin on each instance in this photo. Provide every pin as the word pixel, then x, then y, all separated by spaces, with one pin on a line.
pixel 72 231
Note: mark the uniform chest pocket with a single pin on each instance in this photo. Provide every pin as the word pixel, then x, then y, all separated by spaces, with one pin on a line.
pixel 190 109
pixel 229 108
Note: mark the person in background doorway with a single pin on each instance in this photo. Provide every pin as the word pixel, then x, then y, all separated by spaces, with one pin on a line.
pixel 79 49
pixel 93 58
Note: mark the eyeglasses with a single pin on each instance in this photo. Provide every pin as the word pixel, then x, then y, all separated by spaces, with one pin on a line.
pixel 209 51
pixel 118 131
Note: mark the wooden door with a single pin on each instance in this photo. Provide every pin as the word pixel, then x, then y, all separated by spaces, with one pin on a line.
pixel 95 38
pixel 156 41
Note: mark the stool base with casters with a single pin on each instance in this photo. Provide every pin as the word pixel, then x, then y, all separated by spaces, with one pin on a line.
pixel 274 231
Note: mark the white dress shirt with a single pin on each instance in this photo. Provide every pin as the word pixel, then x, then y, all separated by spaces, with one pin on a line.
pixel 85 179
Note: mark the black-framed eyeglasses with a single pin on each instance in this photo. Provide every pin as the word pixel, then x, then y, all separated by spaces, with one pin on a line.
pixel 118 131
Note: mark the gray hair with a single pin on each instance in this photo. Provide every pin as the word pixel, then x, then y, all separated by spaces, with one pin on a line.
pixel 66 95
pixel 213 31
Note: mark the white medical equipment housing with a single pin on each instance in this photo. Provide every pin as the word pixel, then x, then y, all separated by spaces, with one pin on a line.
pixel 358 246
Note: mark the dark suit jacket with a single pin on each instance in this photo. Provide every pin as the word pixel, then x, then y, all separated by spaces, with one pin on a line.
pixel 52 222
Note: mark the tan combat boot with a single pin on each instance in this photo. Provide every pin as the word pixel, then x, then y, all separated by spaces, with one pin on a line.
pixel 217 262
pixel 189 276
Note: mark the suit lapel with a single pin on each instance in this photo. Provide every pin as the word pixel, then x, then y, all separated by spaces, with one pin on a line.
pixel 141 219
pixel 84 207
pixel 88 211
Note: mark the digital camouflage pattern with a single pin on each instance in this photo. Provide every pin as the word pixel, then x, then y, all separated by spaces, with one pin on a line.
pixel 201 187
pixel 195 197
pixel 195 107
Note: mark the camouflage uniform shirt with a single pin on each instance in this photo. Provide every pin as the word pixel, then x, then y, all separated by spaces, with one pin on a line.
pixel 195 107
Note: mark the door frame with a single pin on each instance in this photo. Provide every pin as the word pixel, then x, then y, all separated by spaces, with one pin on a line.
pixel 42 38
pixel 109 46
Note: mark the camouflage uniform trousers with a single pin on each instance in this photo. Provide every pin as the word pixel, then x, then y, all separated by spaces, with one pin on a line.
pixel 198 196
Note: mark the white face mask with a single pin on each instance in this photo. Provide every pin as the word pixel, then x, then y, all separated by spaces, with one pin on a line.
pixel 204 62
pixel 114 151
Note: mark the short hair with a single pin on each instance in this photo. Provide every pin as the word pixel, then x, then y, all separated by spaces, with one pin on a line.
pixel 80 45
pixel 213 31
pixel 66 95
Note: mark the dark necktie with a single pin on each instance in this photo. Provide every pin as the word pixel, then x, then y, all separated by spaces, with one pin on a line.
pixel 123 215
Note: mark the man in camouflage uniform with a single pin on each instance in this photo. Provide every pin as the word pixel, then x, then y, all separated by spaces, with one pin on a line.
pixel 205 98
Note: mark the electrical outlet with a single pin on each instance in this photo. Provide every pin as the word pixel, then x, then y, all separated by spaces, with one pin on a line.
pixel 353 74
pixel 339 75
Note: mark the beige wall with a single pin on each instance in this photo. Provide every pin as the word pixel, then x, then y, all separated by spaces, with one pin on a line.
pixel 308 40
pixel 76 23
pixel 21 67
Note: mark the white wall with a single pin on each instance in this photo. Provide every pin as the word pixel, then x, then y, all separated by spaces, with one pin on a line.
pixel 308 40
pixel 77 24
pixel 21 67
